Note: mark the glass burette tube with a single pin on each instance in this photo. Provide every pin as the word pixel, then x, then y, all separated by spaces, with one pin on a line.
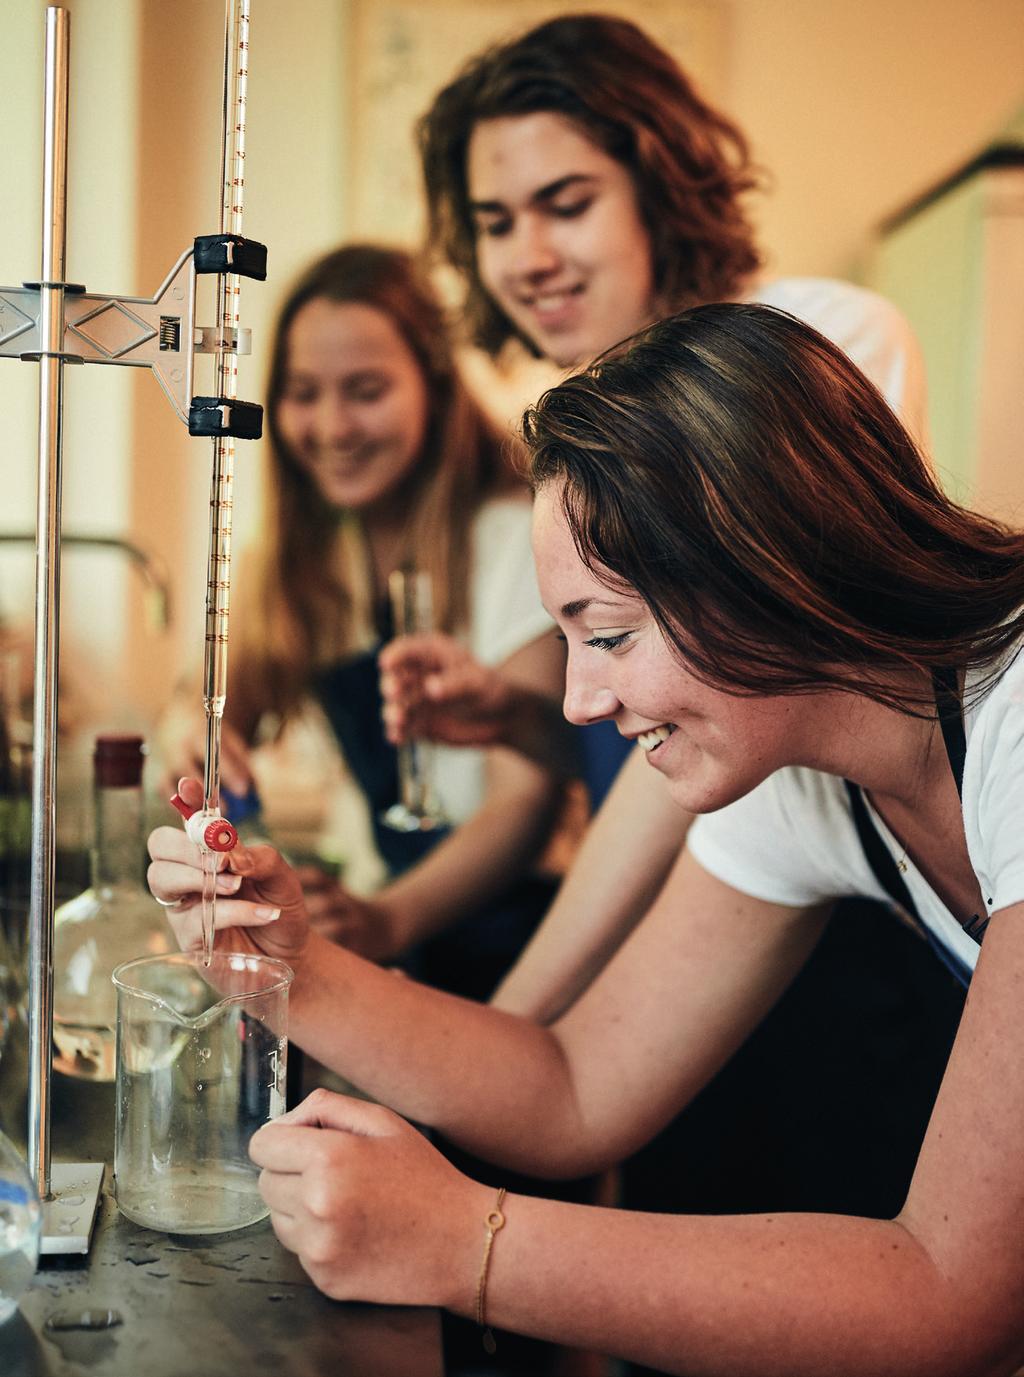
pixel 218 584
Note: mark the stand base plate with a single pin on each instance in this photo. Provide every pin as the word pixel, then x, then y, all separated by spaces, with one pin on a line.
pixel 69 1216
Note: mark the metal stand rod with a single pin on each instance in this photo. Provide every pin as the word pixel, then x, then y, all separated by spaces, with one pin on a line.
pixel 47 610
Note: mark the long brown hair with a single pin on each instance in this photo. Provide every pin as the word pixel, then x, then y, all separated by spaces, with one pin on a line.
pixel 733 467
pixel 305 613
pixel 690 165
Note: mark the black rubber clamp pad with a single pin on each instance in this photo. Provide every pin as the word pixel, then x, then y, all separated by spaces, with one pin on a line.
pixel 243 420
pixel 247 257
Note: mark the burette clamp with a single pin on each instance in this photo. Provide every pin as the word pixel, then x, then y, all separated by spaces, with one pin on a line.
pixel 230 253
pixel 225 416
pixel 205 827
pixel 157 332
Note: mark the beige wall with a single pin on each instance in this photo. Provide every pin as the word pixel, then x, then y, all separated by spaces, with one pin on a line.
pixel 854 104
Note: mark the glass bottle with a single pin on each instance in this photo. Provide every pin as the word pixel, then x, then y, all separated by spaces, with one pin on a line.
pixel 114 920
pixel 20 1224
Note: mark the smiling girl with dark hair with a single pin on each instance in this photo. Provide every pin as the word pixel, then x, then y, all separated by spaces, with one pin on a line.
pixel 798 541
pixel 688 510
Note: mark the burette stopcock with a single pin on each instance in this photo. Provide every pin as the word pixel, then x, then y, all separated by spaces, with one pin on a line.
pixel 205 827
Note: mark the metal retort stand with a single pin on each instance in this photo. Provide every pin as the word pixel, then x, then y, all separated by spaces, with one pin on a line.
pixel 53 322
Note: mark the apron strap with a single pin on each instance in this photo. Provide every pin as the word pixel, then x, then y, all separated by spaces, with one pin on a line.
pixel 879 857
pixel 951 720
pixel 877 854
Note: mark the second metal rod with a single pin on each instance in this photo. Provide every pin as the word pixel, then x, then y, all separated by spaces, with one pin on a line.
pixel 47 610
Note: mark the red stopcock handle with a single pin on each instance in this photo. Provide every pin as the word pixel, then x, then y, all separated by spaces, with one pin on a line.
pixel 205 827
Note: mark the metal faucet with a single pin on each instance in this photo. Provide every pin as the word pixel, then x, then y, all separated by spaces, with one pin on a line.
pixel 151 568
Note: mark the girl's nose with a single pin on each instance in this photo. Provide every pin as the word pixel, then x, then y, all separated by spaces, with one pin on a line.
pixel 586 701
pixel 534 252
pixel 336 423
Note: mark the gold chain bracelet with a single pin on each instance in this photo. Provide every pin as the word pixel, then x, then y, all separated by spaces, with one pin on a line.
pixel 495 1220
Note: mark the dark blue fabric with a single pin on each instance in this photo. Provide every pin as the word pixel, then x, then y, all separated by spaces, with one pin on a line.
pixel 603 751
pixel 883 867
pixel 471 957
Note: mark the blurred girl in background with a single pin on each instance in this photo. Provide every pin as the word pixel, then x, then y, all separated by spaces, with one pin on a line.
pixel 819 653
pixel 380 460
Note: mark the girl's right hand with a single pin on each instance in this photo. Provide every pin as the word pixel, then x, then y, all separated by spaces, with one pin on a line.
pixel 260 906
pixel 432 687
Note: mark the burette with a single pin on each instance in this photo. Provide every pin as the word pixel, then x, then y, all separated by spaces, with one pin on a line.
pixel 214 834
pixel 218 575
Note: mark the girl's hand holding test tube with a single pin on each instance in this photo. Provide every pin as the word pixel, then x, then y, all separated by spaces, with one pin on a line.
pixel 433 687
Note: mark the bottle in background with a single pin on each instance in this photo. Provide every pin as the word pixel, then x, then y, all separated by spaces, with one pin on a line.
pixel 114 920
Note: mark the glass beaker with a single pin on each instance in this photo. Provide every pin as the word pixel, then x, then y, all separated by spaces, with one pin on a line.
pixel 201 1064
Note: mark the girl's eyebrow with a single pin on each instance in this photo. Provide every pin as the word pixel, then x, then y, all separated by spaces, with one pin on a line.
pixel 548 192
pixel 571 610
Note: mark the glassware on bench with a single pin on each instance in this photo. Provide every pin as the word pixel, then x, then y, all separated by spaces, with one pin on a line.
pixel 417 810
pixel 115 919
pixel 202 1055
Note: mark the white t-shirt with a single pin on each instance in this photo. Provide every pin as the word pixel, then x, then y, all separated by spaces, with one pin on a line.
pixel 869 330
pixel 792 840
pixel 505 614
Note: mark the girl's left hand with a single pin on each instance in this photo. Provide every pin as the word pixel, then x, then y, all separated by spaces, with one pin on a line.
pixel 372 1211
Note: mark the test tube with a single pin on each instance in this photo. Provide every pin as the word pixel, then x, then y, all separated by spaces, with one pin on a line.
pixel 417 810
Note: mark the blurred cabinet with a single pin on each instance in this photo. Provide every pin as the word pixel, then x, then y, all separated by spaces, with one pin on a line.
pixel 953 261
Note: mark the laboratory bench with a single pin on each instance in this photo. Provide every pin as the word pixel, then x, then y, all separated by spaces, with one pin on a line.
pixel 189 1306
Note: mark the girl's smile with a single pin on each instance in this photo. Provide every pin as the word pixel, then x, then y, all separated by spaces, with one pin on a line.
pixel 353 411
pixel 560 242
pixel 712 746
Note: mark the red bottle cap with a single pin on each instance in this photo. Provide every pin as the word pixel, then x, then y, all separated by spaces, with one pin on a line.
pixel 117 761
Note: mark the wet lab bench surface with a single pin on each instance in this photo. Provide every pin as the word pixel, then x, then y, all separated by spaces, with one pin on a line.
pixel 200 1306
